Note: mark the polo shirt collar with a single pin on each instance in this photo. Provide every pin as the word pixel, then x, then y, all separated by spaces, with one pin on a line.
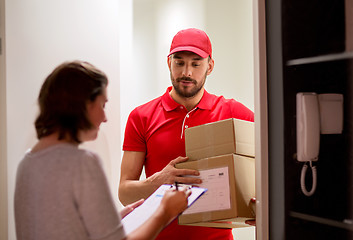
pixel 169 104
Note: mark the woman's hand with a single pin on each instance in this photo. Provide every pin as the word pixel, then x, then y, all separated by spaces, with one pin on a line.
pixel 129 208
pixel 175 201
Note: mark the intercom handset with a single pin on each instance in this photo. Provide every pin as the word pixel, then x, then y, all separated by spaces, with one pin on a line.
pixel 308 136
pixel 308 127
pixel 316 113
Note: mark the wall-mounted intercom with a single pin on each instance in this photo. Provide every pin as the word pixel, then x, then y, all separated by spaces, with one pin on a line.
pixel 316 114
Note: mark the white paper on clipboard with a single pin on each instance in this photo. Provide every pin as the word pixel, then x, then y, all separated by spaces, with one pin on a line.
pixel 142 213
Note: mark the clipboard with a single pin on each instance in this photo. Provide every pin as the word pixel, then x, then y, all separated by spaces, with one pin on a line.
pixel 143 212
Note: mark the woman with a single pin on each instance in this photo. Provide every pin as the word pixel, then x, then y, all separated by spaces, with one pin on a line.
pixel 61 190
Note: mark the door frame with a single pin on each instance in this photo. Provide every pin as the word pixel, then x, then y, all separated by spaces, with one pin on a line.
pixel 3 135
pixel 261 121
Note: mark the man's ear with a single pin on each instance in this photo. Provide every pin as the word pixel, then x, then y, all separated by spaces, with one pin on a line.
pixel 169 61
pixel 210 66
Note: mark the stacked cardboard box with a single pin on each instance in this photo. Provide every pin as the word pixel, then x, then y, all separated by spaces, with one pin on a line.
pixel 224 153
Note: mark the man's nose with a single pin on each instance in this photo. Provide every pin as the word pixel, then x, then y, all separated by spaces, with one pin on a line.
pixel 187 72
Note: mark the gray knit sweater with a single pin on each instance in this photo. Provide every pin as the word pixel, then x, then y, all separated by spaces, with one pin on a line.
pixel 62 193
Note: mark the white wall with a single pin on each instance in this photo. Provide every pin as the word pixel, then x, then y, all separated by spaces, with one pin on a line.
pixel 40 34
pixel 229 24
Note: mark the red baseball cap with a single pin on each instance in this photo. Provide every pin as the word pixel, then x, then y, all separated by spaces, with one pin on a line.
pixel 192 40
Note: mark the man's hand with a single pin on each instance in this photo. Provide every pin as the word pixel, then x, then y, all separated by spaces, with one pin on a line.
pixel 252 204
pixel 132 189
pixel 169 174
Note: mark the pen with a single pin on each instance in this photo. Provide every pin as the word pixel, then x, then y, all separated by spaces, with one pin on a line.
pixel 176 185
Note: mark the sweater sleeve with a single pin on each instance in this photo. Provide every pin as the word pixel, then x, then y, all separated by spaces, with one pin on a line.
pixel 94 201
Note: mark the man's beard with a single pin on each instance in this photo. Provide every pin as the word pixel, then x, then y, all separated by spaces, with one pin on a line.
pixel 181 91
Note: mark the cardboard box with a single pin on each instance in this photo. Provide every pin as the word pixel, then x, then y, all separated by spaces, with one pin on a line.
pixel 220 138
pixel 240 181
pixel 225 223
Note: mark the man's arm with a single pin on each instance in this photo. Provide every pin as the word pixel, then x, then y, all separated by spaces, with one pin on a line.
pixel 131 189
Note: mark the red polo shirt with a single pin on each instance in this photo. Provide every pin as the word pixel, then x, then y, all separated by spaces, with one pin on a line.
pixel 157 128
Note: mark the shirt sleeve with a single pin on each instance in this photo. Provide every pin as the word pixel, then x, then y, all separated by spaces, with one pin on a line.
pixel 240 111
pixel 134 139
pixel 94 201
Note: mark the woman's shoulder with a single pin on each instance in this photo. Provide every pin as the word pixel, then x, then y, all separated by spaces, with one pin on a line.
pixel 63 151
